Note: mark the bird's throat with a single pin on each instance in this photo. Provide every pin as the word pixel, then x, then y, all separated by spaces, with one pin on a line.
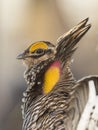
pixel 51 77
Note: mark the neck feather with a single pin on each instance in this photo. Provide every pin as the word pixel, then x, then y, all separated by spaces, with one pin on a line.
pixel 41 79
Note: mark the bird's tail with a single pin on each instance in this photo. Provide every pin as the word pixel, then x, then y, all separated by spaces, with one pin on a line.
pixel 87 103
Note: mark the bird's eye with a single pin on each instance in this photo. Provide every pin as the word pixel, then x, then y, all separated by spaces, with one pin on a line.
pixel 39 51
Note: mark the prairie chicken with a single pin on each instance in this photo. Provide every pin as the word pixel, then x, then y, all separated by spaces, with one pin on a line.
pixel 54 100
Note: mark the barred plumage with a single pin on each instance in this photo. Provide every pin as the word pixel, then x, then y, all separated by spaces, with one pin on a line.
pixel 54 100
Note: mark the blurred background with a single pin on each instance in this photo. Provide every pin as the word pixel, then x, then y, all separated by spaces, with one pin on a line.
pixel 26 21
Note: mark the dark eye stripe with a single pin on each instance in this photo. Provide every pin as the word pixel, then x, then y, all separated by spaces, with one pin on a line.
pixel 39 51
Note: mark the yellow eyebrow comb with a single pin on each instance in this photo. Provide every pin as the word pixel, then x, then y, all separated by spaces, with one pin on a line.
pixel 38 45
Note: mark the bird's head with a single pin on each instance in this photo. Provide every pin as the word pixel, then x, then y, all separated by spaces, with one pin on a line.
pixel 37 52
pixel 50 59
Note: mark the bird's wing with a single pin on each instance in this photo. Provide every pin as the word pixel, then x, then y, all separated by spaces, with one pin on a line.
pixel 87 102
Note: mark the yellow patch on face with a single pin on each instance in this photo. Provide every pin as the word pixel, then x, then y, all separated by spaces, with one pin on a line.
pixel 38 45
pixel 51 78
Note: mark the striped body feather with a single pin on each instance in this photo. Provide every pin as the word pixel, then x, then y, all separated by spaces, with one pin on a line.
pixel 61 104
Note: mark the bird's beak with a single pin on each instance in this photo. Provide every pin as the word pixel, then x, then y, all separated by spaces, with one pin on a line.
pixel 21 56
